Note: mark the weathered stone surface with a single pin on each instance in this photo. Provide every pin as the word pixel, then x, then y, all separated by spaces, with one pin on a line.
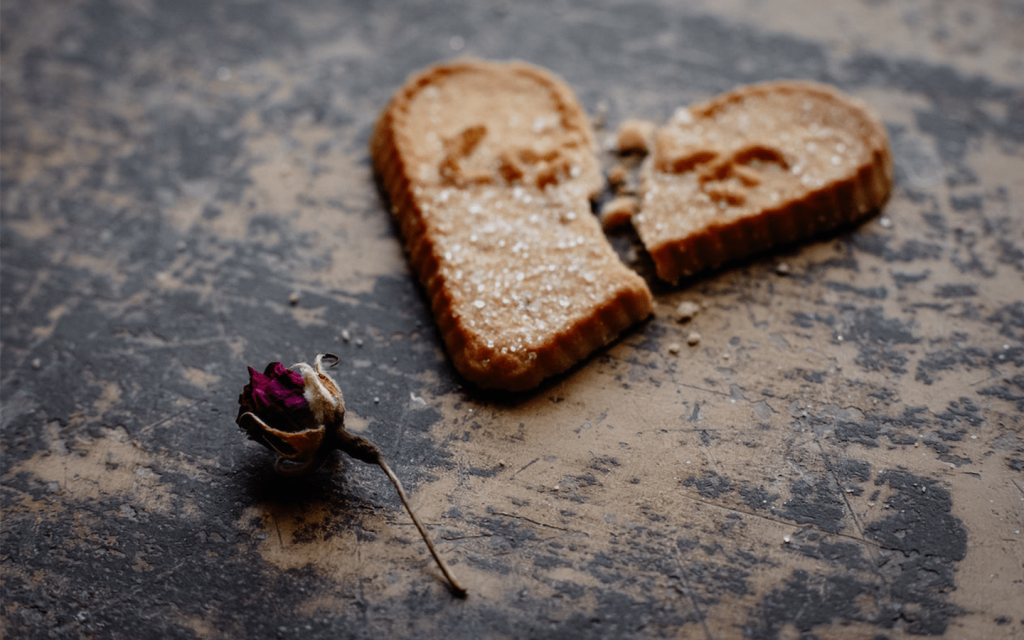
pixel 186 191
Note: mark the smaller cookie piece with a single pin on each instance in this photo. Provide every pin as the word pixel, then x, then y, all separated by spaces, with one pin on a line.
pixel 756 167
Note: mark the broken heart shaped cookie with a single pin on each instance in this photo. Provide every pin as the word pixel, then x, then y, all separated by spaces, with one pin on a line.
pixel 490 168
pixel 759 166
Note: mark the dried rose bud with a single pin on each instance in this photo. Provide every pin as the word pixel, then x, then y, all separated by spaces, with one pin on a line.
pixel 300 414
pixel 274 411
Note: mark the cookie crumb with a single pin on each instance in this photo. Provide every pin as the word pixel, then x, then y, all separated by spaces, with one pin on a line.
pixel 617 176
pixel 618 212
pixel 634 136
pixel 686 311
pixel 674 348
pixel 693 339
pixel 600 117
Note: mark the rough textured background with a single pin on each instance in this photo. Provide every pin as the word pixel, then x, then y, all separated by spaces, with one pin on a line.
pixel 186 191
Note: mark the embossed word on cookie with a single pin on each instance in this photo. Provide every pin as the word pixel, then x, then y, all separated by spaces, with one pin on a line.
pixel 759 166
pixel 490 168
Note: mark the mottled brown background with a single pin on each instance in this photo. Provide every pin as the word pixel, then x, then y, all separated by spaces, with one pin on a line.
pixel 186 191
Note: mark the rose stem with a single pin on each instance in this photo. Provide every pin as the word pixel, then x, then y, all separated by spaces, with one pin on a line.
pixel 459 590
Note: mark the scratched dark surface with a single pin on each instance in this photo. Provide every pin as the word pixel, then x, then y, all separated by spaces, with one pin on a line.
pixel 186 191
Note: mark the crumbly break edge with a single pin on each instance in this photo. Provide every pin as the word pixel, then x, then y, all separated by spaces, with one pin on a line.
pixel 486 366
pixel 821 210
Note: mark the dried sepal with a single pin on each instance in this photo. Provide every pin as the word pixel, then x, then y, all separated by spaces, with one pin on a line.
pixel 300 452
pixel 322 393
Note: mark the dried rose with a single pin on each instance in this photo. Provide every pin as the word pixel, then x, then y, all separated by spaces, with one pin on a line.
pixel 274 411
pixel 299 413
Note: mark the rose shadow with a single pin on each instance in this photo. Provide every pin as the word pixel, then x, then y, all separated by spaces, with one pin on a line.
pixel 321 503
pixel 327 489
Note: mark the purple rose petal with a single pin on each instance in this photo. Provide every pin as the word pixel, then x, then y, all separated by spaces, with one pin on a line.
pixel 277 397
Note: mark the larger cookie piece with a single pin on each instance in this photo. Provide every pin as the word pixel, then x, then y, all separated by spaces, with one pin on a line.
pixel 490 168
